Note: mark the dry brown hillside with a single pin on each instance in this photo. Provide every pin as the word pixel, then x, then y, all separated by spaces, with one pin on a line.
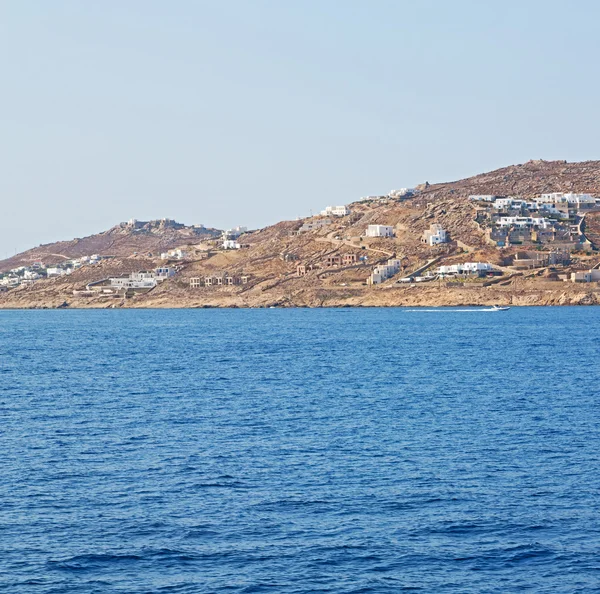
pixel 270 257
pixel 528 179
pixel 120 241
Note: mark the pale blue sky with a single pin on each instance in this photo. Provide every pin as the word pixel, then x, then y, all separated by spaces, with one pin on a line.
pixel 250 112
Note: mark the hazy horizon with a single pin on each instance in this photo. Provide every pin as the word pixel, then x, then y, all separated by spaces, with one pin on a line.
pixel 251 113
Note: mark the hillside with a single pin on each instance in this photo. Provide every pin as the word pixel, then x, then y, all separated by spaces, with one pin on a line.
pixel 323 261
pixel 122 240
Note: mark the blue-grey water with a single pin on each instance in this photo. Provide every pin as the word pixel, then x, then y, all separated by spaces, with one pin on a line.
pixel 341 451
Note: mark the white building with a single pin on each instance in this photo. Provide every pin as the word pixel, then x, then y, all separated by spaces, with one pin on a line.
pixel 31 275
pixel 569 197
pixel 384 271
pixel 54 272
pixel 580 199
pixel 336 211
pixel 10 281
pixel 436 235
pixel 402 193
pixel 467 268
pixel 144 275
pixel 483 198
pixel 588 276
pixel 177 254
pixel 231 244
pixel 561 210
pixel 136 280
pixel 524 222
pixel 234 233
pixel 507 203
pixel 380 231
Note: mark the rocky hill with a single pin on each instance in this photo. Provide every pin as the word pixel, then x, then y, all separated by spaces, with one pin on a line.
pixel 299 263
pixel 123 240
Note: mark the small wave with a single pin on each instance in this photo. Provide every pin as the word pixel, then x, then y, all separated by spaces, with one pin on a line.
pixel 92 561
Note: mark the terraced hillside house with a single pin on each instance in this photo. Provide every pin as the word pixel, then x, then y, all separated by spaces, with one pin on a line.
pixel 483 198
pixel 465 269
pixel 435 235
pixel 384 271
pixel 176 254
pixel 235 232
pixel 380 231
pixel 336 211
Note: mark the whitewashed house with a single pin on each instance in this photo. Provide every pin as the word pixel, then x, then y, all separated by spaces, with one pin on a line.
pixel 235 232
pixel 380 231
pixel 586 276
pixel 483 198
pixel 467 268
pixel 435 235
pixel 10 281
pixel 508 203
pixel 402 193
pixel 231 244
pixel 568 197
pixel 54 272
pixel 524 222
pixel 176 254
pixel 142 275
pixel 136 280
pixel 335 211
pixel 561 210
pixel 384 271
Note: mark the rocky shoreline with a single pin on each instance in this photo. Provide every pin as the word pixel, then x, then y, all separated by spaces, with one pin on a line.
pixel 413 296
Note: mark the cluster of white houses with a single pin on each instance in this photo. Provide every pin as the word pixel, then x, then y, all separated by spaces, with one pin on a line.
pixel 230 238
pixel 141 281
pixel 579 200
pixel 548 218
pixel 402 193
pixel 24 275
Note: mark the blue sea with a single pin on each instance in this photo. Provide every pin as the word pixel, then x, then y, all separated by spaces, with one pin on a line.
pixel 296 451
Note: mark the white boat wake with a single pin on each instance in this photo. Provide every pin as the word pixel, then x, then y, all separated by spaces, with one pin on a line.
pixel 446 309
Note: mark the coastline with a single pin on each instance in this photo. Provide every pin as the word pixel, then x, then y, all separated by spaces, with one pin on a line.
pixel 414 296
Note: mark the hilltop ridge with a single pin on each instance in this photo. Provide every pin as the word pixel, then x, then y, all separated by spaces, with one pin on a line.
pixel 122 240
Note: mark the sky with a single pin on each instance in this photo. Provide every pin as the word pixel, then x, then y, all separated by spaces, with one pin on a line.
pixel 248 112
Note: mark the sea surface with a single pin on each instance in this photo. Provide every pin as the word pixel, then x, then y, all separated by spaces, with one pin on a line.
pixel 305 450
